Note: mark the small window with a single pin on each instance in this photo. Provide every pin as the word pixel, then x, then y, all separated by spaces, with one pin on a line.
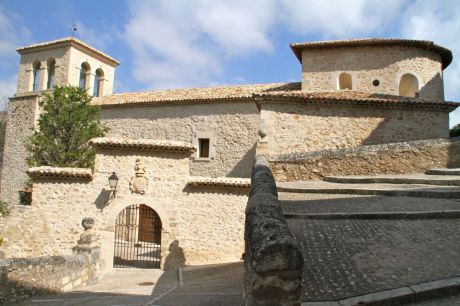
pixel 345 81
pixel 408 86
pixel 203 147
pixel 36 76
pixel 51 68
pixel 98 78
pixel 84 76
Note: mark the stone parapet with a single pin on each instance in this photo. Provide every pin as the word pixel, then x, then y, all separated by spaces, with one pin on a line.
pixel 21 278
pixel 391 158
pixel 25 277
pixel 273 261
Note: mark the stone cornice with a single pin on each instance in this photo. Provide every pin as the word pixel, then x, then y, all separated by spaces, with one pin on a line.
pixel 219 181
pixel 353 98
pixel 142 144
pixel 60 172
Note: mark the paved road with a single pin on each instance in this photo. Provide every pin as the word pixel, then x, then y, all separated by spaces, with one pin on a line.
pixel 207 286
pixel 332 203
pixel 350 257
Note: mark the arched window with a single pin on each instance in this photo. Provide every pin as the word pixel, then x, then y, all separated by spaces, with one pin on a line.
pixel 98 85
pixel 51 68
pixel 85 71
pixel 408 86
pixel 345 81
pixel 36 76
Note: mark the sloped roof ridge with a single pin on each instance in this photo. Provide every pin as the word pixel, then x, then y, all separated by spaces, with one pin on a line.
pixel 69 39
pixel 194 94
pixel 446 54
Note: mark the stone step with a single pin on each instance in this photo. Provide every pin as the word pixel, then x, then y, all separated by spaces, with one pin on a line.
pixel 444 171
pixel 441 180
pixel 400 190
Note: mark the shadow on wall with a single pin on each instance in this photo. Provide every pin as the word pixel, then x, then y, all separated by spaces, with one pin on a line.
pixel 401 126
pixel 454 153
pixel 244 165
pixel 431 86
pixel 175 258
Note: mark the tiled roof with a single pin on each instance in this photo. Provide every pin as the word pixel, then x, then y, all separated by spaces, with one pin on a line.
pixel 146 144
pixel 193 95
pixel 219 181
pixel 445 53
pixel 353 97
pixel 67 40
pixel 60 172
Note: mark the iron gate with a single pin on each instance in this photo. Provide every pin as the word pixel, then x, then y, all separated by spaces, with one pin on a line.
pixel 137 238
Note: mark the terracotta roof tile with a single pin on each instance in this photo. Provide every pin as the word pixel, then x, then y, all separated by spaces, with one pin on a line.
pixel 219 181
pixel 67 40
pixel 193 95
pixel 353 97
pixel 445 53
pixel 60 172
pixel 146 144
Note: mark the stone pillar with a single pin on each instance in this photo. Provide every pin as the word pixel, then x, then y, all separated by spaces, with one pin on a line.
pixel 262 144
pixel 87 245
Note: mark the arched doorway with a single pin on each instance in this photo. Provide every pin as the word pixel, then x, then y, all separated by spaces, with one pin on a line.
pixel 137 238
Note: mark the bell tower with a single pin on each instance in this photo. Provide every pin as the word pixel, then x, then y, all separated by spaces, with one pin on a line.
pixel 67 61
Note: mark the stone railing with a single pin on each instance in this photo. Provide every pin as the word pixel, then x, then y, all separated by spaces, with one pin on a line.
pixel 273 261
pixel 21 278
pixel 391 158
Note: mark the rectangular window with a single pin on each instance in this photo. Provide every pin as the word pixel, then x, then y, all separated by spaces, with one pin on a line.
pixel 203 147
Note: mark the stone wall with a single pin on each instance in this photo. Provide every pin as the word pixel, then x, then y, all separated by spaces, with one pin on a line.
pixel 233 126
pixel 321 69
pixel 201 225
pixel 273 262
pixel 396 158
pixel 210 224
pixel 20 124
pixel 305 127
pixel 21 278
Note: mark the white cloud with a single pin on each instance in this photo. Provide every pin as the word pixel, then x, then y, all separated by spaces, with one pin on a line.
pixel 333 19
pixel 185 43
pixel 12 32
pixel 178 44
pixel 7 89
pixel 99 38
pixel 438 21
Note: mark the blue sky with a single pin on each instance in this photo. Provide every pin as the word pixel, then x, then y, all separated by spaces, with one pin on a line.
pixel 185 43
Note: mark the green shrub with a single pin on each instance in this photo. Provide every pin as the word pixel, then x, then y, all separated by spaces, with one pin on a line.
pixel 455 131
pixel 4 210
pixel 65 126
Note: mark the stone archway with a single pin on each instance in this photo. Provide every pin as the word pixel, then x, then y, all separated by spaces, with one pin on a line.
pixel 137 242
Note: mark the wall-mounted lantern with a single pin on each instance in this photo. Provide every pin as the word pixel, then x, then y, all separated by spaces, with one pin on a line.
pixel 113 182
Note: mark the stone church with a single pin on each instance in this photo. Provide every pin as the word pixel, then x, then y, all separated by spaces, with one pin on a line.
pixel 171 176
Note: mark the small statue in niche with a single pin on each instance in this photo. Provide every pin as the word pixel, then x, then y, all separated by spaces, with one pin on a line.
pixel 139 183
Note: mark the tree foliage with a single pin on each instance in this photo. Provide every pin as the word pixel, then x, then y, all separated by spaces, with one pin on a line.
pixel 65 126
pixel 455 131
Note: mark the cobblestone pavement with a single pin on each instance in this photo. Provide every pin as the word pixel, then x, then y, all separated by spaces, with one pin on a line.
pixel 207 286
pixel 326 203
pixel 349 257
pixel 345 258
